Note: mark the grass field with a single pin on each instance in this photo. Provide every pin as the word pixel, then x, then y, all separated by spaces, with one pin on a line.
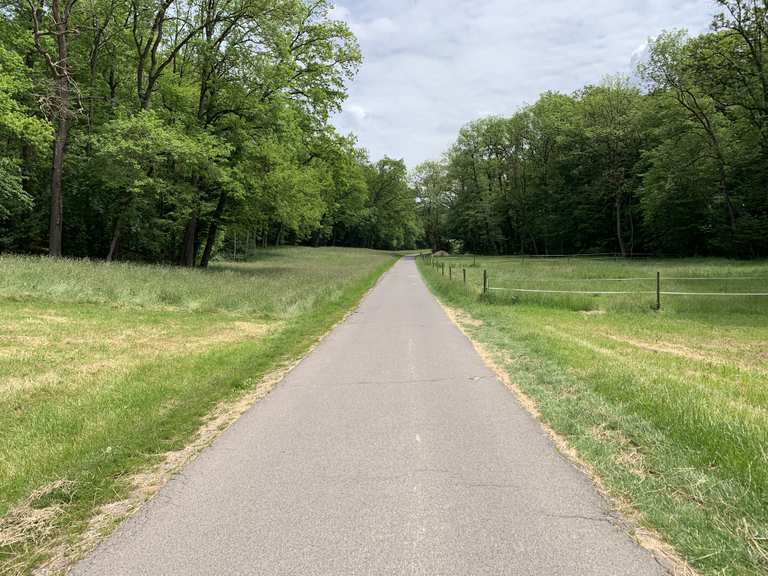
pixel 104 368
pixel 670 408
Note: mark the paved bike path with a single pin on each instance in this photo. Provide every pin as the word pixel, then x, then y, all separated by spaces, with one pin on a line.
pixel 390 450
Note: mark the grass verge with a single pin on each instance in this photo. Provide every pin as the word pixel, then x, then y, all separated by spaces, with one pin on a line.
pixel 670 409
pixel 106 369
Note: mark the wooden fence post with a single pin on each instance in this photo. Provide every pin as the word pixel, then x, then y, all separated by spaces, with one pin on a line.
pixel 485 281
pixel 658 291
pixel 464 271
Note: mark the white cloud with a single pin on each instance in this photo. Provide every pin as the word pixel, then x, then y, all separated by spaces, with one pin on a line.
pixel 340 13
pixel 432 65
pixel 357 112
pixel 378 29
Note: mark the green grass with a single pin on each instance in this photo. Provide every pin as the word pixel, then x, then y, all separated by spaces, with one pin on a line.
pixel 670 407
pixel 105 367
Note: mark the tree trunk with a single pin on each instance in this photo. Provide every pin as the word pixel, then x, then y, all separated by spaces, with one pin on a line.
pixel 115 240
pixel 728 202
pixel 622 248
pixel 60 144
pixel 631 231
pixel 59 69
pixel 534 243
pixel 56 223
pixel 188 248
pixel 213 229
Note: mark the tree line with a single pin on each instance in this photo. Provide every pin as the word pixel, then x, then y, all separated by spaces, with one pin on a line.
pixel 148 129
pixel 672 162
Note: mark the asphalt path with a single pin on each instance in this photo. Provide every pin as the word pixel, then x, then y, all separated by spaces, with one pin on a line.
pixel 391 449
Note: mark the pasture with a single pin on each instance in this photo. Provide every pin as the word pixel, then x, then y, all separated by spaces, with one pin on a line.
pixel 106 368
pixel 669 407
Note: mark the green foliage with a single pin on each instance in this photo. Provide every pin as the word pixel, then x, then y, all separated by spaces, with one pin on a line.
pixel 435 197
pixel 133 151
pixel 141 161
pixel 392 221
pixel 12 195
pixel 18 129
pixel 181 131
pixel 16 121
pixel 678 168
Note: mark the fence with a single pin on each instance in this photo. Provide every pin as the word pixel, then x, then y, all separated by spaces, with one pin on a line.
pixel 486 288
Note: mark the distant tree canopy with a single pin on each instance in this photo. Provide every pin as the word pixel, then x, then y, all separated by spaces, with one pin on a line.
pixel 144 129
pixel 155 129
pixel 677 165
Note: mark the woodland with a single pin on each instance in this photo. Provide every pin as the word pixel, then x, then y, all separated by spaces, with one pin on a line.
pixel 159 130
pixel 672 161
pixel 153 129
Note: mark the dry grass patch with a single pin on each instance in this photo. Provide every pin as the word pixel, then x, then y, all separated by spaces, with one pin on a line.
pixel 28 526
pixel 712 353
pixel 144 485
pixel 74 350
pixel 627 454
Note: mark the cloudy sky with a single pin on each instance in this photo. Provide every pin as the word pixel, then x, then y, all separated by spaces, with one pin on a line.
pixel 433 65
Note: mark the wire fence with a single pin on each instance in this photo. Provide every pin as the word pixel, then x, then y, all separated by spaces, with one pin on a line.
pixel 597 256
pixel 486 288
pixel 599 292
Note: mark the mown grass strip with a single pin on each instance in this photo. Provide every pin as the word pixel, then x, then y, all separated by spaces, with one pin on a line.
pixel 67 448
pixel 670 408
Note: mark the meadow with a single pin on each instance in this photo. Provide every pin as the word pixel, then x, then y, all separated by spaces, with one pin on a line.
pixel 107 368
pixel 668 407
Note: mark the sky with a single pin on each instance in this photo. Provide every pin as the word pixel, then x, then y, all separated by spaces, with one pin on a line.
pixel 431 66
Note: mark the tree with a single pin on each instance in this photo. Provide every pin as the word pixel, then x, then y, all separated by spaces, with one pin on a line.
pixel 728 120
pixel 434 197
pixel 473 220
pixel 18 127
pixel 301 60
pixel 54 21
pixel 392 220
pixel 732 63
pixel 140 159
pixel 609 114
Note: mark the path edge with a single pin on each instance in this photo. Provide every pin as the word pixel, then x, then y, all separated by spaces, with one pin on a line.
pixel 147 483
pixel 627 516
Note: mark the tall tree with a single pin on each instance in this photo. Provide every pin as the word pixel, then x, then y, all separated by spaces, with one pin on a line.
pixel 18 128
pixel 392 219
pixel 609 113
pixel 435 197
pixel 52 19
pixel 301 58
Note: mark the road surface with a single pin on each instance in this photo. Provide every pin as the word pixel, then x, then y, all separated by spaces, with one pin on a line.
pixel 391 449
